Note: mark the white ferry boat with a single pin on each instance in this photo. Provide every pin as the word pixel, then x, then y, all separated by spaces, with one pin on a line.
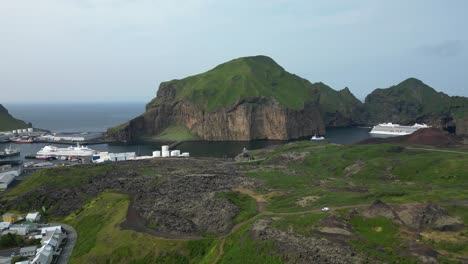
pixel 77 151
pixel 396 129
pixel 317 138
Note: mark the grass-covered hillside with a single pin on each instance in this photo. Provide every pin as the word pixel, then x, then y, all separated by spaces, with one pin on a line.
pixel 8 122
pixel 406 102
pixel 241 78
pixel 279 197
pixel 340 108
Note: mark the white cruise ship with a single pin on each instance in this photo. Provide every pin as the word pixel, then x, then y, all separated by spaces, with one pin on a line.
pixel 396 129
pixel 77 151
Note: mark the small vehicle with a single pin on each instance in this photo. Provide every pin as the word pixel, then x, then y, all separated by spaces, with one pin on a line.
pixel 325 209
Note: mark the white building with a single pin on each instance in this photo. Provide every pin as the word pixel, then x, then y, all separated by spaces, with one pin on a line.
pixel 21 230
pixel 52 238
pixel 33 217
pixel 4 225
pixel 5 180
pixel 44 255
pixel 44 230
pixel 28 251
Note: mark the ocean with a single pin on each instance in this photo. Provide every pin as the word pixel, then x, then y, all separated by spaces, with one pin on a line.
pixel 97 117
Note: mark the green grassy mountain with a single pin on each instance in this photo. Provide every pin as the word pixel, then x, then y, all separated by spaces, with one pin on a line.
pixel 226 84
pixel 243 99
pixel 8 122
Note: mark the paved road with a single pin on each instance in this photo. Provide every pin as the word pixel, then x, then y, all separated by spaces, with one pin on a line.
pixel 8 252
pixel 68 249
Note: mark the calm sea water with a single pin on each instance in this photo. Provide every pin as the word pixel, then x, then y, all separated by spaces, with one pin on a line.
pixel 76 117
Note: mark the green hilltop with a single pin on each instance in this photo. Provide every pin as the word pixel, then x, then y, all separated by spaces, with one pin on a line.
pixel 241 78
pixel 8 122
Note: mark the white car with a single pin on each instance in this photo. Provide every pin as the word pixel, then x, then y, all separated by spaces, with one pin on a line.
pixel 325 209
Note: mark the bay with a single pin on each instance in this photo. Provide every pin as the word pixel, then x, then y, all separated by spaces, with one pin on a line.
pixel 97 117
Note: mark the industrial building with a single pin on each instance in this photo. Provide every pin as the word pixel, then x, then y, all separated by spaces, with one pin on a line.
pixel 5 180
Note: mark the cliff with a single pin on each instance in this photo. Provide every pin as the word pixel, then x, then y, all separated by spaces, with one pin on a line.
pixel 340 108
pixel 243 99
pixel 413 101
pixel 8 122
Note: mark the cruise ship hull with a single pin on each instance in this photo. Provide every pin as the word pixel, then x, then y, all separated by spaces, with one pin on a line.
pixel 389 129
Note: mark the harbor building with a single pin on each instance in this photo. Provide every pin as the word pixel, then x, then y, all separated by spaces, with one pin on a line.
pixel 5 180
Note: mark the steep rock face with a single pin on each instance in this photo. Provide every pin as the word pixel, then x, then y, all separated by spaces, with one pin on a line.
pixel 252 118
pixel 413 101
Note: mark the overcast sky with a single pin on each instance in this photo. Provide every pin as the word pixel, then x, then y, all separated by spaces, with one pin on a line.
pixel 120 50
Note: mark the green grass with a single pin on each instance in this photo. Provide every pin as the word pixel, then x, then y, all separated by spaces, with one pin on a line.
pixel 176 133
pixel 117 128
pixel 61 177
pixel 243 78
pixel 8 122
pixel 380 172
pixel 101 240
pixel 378 238
pixel 247 205
pixel 240 248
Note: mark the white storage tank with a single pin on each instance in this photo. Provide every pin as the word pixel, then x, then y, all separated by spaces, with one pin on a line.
pixel 30 129
pixel 25 130
pixel 14 131
pixel 185 154
pixel 165 153
pixel 156 154
pixel 175 153
pixel 165 148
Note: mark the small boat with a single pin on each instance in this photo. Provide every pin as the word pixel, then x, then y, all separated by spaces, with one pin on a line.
pixel 315 138
pixel 9 152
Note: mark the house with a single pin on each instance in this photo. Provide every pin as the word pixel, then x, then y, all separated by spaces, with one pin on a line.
pixel 44 230
pixel 4 225
pixel 23 229
pixel 53 238
pixel 51 242
pixel 44 255
pixel 9 217
pixel 28 251
pixel 33 217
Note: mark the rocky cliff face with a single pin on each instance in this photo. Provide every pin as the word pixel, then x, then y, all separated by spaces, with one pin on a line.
pixel 244 99
pixel 248 119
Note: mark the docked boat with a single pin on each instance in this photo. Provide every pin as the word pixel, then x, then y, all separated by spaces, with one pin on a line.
pixel 396 129
pixel 76 151
pixel 317 138
pixel 9 152
pixel 22 140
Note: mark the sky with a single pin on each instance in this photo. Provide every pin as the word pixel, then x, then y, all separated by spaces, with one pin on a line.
pixel 120 50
